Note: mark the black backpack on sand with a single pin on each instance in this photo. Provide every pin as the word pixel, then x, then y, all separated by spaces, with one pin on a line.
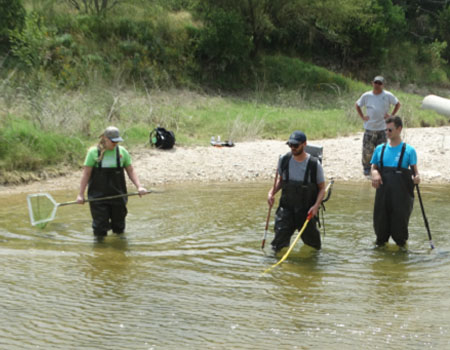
pixel 162 138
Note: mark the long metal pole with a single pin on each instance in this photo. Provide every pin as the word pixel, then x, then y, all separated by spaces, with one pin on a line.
pixel 263 243
pixel 424 217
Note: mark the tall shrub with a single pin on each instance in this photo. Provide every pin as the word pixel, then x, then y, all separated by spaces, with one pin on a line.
pixel 29 45
pixel 223 48
pixel 12 17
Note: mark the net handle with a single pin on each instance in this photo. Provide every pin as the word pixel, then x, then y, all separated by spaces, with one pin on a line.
pixel 104 198
pixel 56 205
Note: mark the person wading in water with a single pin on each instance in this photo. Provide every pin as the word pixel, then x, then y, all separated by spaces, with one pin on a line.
pixel 104 173
pixel 394 183
pixel 302 185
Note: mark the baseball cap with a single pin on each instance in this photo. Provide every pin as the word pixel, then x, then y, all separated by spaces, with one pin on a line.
pixel 378 78
pixel 297 137
pixel 112 133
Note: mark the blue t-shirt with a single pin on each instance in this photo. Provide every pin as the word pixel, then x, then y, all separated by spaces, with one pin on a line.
pixel 392 156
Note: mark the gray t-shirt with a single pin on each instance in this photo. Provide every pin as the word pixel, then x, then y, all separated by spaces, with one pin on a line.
pixel 376 106
pixel 297 170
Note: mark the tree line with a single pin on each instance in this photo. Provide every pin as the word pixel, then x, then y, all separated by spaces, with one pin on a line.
pixel 224 42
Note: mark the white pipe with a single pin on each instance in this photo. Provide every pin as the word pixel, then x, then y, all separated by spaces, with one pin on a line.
pixel 438 104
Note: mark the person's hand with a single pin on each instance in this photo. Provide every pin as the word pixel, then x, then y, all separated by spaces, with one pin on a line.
pixel 270 198
pixel 377 181
pixel 80 199
pixel 416 179
pixel 313 210
pixel 142 191
pixel 366 118
pixel 386 115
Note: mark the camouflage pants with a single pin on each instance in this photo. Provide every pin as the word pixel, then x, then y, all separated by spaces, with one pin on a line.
pixel 371 140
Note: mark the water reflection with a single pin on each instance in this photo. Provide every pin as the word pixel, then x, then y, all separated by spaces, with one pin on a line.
pixel 108 267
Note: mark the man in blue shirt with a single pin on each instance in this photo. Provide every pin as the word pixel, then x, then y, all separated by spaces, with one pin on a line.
pixel 394 182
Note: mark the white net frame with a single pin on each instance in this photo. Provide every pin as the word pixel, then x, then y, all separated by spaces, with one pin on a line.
pixel 31 199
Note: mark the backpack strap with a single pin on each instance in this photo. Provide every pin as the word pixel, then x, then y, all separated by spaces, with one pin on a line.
pixel 284 166
pixel 312 165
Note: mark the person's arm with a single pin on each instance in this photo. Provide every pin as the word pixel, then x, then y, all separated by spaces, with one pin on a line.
pixel 377 181
pixel 315 208
pixel 271 195
pixel 396 108
pixel 135 180
pixel 87 171
pixel 361 114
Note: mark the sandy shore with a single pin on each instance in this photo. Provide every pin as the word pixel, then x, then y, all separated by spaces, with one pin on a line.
pixel 256 161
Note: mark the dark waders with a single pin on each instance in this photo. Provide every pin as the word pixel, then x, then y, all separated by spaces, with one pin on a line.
pixel 108 214
pixel 287 220
pixel 297 197
pixel 394 201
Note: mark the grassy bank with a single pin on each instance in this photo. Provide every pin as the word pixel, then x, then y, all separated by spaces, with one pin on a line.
pixel 50 130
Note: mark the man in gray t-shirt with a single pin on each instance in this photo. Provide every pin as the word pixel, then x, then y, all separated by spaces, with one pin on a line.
pixel 297 170
pixel 377 103
pixel 303 188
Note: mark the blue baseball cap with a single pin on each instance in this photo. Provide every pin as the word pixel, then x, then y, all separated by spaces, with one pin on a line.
pixel 297 137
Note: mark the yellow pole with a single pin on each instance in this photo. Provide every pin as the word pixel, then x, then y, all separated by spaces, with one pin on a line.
pixel 309 217
pixel 292 245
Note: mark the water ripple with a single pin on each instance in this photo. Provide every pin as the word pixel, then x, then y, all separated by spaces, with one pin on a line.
pixel 189 274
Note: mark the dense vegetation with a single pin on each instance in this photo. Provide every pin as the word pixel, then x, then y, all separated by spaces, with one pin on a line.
pixel 243 69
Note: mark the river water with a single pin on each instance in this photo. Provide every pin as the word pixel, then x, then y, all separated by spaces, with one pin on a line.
pixel 189 275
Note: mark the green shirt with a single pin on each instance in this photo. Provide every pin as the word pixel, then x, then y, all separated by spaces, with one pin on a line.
pixel 109 158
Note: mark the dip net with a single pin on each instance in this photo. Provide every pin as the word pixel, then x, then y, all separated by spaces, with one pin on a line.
pixel 42 209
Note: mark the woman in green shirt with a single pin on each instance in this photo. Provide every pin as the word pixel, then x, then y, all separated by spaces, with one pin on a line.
pixel 104 176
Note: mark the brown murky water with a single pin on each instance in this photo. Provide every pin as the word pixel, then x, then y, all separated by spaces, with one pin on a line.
pixel 188 274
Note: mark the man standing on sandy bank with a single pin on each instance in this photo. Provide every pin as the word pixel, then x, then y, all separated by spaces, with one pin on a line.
pixel 377 103
pixel 302 185
pixel 394 182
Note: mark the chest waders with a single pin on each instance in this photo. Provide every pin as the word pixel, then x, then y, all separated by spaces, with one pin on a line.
pixel 394 201
pixel 297 197
pixel 104 182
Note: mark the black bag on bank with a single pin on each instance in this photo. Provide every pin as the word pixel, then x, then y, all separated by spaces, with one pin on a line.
pixel 162 138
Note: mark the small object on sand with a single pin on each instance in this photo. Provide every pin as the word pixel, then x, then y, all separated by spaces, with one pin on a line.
pixel 218 143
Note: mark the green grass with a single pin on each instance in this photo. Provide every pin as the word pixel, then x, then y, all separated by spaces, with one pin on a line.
pixel 51 127
pixel 23 146
pixel 243 120
pixel 194 117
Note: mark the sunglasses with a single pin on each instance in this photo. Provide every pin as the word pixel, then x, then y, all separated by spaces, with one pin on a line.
pixel 389 130
pixel 294 145
pixel 378 82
